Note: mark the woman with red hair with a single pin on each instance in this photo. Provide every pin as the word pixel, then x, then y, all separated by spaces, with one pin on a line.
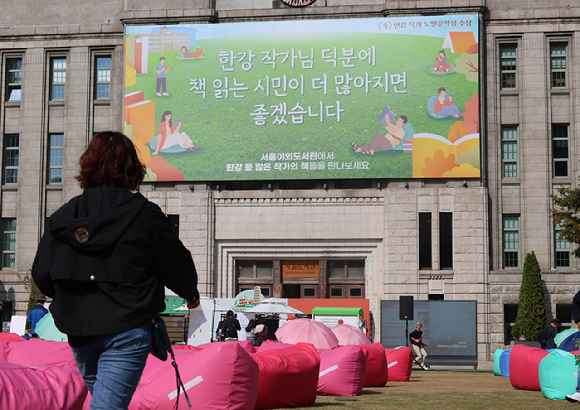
pixel 105 259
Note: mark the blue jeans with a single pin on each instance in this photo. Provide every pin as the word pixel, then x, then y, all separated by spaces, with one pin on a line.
pixel 112 365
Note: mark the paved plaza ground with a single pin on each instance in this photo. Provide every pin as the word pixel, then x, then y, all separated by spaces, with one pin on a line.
pixel 444 389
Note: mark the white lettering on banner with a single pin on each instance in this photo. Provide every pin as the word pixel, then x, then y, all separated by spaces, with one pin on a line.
pixel 187 386
pixel 276 164
pixel 297 113
pixel 330 369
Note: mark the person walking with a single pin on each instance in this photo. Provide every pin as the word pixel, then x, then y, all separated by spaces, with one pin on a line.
pixel 34 315
pixel 418 345
pixel 105 258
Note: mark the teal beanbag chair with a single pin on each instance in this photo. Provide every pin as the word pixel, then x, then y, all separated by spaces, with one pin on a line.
pixel 558 375
pixel 563 335
pixel 504 363
pixel 496 357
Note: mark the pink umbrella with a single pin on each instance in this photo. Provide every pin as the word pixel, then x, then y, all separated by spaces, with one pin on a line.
pixel 350 335
pixel 307 331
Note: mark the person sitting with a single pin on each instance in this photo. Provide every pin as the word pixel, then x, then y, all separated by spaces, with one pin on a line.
pixel 381 142
pixel 169 135
pixel 441 64
pixel 251 331
pixel 445 106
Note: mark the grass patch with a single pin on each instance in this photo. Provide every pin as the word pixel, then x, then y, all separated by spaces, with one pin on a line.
pixel 435 390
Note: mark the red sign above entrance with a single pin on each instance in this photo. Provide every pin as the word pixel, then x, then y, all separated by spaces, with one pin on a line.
pixel 299 269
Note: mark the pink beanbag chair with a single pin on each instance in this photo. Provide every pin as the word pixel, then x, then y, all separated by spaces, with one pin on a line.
pixel 246 345
pixel 186 347
pixel 343 371
pixel 399 363
pixel 221 376
pixel 288 377
pixel 377 373
pixel 524 364
pixel 45 387
pixel 272 345
pixel 37 353
pixel 11 337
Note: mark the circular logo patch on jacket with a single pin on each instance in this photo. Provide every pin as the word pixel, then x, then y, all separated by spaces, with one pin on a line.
pixel 81 235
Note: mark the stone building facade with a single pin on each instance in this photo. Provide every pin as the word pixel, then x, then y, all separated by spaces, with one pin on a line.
pixel 236 230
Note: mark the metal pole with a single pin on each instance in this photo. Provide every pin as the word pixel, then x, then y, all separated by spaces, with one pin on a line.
pixel 406 332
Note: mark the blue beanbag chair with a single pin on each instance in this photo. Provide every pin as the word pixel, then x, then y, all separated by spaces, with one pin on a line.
pixel 504 363
pixel 558 375
pixel 560 337
pixel 568 344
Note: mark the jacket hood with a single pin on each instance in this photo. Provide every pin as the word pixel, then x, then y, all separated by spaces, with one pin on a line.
pixel 95 220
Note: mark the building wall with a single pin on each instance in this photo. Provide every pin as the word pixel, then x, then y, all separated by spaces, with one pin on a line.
pixel 379 225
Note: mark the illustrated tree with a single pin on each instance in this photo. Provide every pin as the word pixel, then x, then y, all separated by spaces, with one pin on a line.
pixel 566 215
pixel 531 316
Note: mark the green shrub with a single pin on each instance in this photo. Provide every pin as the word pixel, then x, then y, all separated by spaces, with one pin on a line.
pixel 531 316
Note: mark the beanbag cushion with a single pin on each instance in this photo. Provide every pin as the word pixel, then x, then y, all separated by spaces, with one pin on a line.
pixel 36 352
pixel 44 387
pixel 342 371
pixel 504 363
pixel 377 373
pixel 496 363
pixel 560 337
pixel 399 364
pixel 11 337
pixel 558 375
pixel 245 344
pixel 568 343
pixel 272 345
pixel 524 364
pixel 221 376
pixel 288 377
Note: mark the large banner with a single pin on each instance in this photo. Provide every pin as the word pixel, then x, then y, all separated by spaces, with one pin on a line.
pixel 332 99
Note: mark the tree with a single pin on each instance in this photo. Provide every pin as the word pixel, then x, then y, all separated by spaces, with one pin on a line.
pixel 566 216
pixel 531 317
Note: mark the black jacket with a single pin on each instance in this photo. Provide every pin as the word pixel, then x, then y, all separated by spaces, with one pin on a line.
pixel 105 258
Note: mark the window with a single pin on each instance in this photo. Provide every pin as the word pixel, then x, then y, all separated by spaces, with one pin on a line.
pixel 508 61
pixel 103 78
pixel 346 269
pixel 425 240
pixel 13 79
pixel 562 249
pixel 511 241
pixel 8 243
pixel 558 64
pixel 255 269
pixel 564 315
pixel 11 154
pixel 509 152
pixel 445 240
pixel 55 158
pixel 560 151
pixel 57 78
pixel 509 319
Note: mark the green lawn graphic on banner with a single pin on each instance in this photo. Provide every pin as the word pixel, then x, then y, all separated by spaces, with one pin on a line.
pixel 332 99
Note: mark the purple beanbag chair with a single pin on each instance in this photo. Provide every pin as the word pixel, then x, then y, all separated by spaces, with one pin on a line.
pixel 221 376
pixel 342 371
pixel 43 387
pixel 399 363
pixel 377 373
pixel 288 377
pixel 524 364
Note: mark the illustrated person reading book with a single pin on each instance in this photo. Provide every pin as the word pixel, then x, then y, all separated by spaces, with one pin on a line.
pixel 161 69
pixel 168 135
pixel 381 142
pixel 444 105
pixel 186 54
pixel 441 64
